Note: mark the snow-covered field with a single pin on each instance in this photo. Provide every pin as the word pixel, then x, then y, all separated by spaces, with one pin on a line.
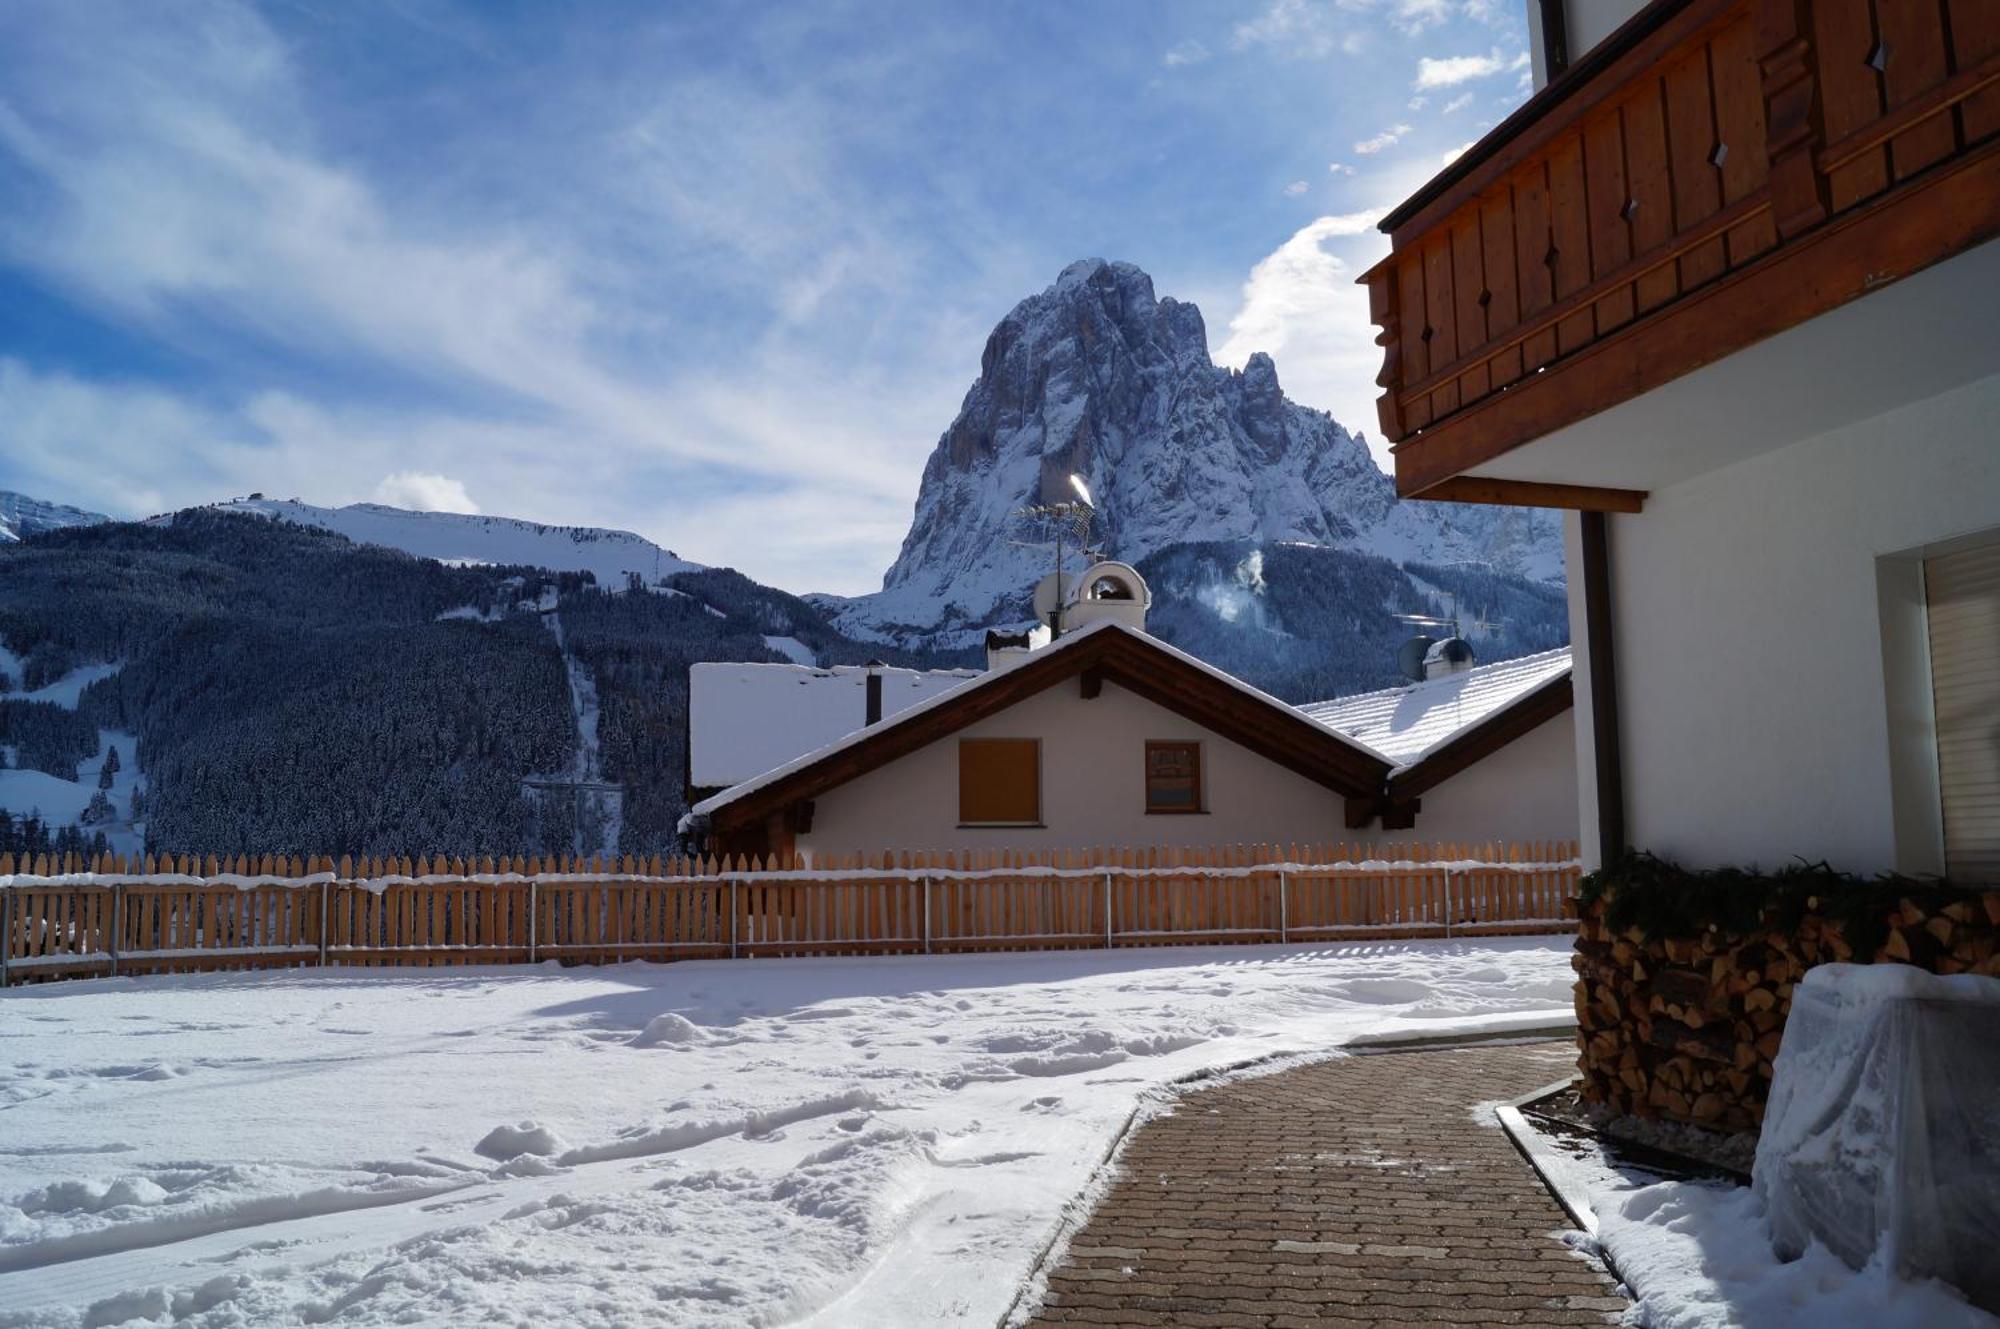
pixel 870 1142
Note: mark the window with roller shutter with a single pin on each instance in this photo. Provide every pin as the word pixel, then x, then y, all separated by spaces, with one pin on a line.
pixel 1962 595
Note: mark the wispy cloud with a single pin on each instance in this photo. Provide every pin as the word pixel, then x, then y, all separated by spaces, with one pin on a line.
pixel 1189 52
pixel 1449 71
pixel 1456 104
pixel 1388 138
pixel 1296 189
pixel 1340 168
pixel 1302 307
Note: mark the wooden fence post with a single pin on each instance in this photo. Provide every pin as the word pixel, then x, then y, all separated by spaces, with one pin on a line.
pixel 534 917
pixel 733 913
pixel 1284 916
pixel 1450 914
pixel 1107 911
pixel 117 922
pixel 6 929
pixel 325 918
pixel 927 915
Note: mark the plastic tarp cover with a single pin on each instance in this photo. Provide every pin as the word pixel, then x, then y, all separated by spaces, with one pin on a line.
pixel 1882 1135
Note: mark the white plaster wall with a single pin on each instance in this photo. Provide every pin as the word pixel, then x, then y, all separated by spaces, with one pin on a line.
pixel 1750 651
pixel 1093 789
pixel 1093 786
pixel 1591 21
pixel 1525 791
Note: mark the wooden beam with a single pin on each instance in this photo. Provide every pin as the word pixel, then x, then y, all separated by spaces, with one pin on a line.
pixel 1599 644
pixel 1533 494
pixel 1093 684
pixel 1401 814
pixel 1361 811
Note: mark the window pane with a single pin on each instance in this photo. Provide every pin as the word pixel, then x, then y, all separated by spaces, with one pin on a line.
pixel 1173 777
pixel 999 780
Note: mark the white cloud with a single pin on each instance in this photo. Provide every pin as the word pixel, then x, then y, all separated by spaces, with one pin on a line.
pixel 1456 104
pixel 1388 138
pixel 1411 17
pixel 1186 53
pixel 1302 306
pixel 1340 168
pixel 1295 189
pixel 1455 153
pixel 1419 102
pixel 1448 71
pixel 424 491
pixel 180 192
pixel 1297 29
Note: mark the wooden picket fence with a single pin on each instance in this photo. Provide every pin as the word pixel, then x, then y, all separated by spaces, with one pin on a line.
pixel 114 915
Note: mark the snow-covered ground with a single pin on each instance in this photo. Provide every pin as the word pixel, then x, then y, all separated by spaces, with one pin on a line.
pixel 874 1142
pixel 1697 1255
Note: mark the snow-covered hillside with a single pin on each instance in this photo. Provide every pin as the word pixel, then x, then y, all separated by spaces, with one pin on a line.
pixel 21 516
pixel 612 557
pixel 1096 376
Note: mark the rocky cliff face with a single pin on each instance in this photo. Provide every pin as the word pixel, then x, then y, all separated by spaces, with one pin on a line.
pixel 1098 377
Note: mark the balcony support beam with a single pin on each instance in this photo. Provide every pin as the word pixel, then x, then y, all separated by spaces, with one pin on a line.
pixel 1530 494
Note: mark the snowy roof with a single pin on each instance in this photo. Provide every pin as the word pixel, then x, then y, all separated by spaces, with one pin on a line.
pixel 1408 723
pixel 744 719
pixel 1069 641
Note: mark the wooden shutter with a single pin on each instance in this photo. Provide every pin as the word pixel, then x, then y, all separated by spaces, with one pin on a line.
pixel 999 781
pixel 1963 594
pixel 1173 777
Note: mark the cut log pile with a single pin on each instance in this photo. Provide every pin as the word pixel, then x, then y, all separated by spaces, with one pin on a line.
pixel 1686 1027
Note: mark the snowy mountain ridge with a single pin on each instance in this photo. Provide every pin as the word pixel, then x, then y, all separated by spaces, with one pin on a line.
pixel 611 556
pixel 21 516
pixel 1096 376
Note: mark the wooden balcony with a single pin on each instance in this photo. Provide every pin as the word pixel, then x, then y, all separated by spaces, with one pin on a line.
pixel 1712 174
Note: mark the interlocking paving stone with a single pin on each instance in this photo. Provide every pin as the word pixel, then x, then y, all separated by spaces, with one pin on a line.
pixel 1364 1191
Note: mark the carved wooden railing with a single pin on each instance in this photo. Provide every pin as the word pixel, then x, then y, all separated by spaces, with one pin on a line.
pixel 1703 139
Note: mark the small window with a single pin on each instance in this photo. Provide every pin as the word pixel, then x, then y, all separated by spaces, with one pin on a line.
pixel 1000 781
pixel 1173 777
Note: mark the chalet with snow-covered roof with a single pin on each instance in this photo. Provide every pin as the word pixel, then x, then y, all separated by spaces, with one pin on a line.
pixel 1107 736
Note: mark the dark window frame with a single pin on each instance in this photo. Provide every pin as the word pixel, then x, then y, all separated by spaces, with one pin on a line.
pixel 1200 804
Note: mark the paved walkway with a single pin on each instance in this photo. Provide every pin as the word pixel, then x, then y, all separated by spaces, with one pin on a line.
pixel 1358 1192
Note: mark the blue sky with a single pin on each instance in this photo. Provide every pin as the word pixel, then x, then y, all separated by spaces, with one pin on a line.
pixel 718 273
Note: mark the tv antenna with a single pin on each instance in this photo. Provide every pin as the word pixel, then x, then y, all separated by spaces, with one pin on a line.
pixel 1069 517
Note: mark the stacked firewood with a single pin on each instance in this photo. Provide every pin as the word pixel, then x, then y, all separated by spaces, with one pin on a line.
pixel 1686 1028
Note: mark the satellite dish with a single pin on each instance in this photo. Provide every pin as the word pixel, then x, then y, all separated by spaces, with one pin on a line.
pixel 1082 491
pixel 1410 659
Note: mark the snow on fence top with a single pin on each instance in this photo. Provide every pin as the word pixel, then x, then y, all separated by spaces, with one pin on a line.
pixel 247 872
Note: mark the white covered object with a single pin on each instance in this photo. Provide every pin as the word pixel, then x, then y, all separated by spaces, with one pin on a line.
pixel 1882 1138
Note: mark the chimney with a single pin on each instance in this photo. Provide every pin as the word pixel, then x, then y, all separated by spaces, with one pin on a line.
pixel 1004 650
pixel 1453 655
pixel 874 711
pixel 1113 591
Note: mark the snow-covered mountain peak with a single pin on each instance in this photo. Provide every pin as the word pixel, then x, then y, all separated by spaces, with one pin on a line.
pixel 611 556
pixel 1100 377
pixel 21 516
